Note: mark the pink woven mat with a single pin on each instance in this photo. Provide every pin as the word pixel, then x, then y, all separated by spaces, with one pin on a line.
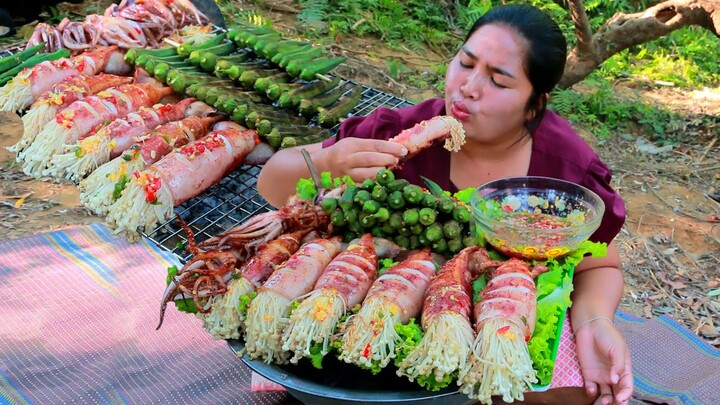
pixel 79 309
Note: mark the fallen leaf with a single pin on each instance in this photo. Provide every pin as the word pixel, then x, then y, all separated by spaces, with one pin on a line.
pixel 714 293
pixel 648 311
pixel 648 147
pixel 21 200
pixel 709 331
pixel 669 251
pixel 663 309
pixel 676 285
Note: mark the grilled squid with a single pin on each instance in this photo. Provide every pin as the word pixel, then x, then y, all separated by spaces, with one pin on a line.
pixel 226 319
pixel 100 190
pixel 151 195
pixel 63 94
pixel 448 336
pixel 83 116
pixel 74 161
pixel 268 313
pixel 395 297
pixel 427 132
pixel 31 83
pixel 343 285
pixel 504 322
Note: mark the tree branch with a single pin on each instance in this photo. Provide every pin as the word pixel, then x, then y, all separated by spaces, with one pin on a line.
pixel 582 25
pixel 625 30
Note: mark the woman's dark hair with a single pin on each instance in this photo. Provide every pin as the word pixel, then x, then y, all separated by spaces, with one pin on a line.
pixel 546 53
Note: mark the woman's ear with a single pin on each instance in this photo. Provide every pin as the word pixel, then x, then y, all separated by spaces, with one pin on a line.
pixel 539 106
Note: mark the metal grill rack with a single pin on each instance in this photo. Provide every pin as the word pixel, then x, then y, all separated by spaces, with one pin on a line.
pixel 11 49
pixel 235 198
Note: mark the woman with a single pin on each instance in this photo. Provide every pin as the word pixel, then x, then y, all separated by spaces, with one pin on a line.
pixel 497 86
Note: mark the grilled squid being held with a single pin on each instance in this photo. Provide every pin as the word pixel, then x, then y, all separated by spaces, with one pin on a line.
pixel 427 132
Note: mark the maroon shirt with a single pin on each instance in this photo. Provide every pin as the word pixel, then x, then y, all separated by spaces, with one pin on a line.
pixel 558 152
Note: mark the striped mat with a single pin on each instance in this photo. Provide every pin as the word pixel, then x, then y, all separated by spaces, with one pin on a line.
pixel 671 365
pixel 79 308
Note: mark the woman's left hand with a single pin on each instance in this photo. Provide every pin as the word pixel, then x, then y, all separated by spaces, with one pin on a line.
pixel 605 362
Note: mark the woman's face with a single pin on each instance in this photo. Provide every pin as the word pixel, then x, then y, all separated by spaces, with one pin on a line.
pixel 486 87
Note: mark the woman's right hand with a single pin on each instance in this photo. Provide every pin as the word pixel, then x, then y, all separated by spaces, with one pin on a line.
pixel 361 158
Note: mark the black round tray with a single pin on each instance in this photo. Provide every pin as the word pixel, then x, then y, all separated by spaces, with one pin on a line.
pixel 341 383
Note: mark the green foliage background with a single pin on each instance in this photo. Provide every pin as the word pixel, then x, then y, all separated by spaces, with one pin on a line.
pixel 686 58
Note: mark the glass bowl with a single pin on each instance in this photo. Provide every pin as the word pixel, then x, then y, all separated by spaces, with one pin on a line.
pixel 535 218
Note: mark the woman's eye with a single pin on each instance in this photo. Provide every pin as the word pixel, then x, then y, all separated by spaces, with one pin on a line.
pixel 492 79
pixel 465 65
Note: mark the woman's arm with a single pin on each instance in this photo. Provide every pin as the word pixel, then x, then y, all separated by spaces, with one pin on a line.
pixel 602 352
pixel 356 157
pixel 598 287
pixel 280 174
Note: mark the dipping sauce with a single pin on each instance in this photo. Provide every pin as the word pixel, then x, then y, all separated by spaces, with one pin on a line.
pixel 524 226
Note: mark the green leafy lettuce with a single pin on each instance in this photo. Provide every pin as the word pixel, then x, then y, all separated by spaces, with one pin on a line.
pixel 316 357
pixel 385 264
pixel 306 189
pixel 411 333
pixel 464 195
pixel 186 305
pixel 553 291
pixel 245 301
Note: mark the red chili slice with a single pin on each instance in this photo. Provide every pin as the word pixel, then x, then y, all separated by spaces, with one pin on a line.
pixel 368 351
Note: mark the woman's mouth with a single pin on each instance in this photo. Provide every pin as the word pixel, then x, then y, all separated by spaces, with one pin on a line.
pixel 459 111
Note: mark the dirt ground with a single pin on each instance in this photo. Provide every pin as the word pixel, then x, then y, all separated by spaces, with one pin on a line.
pixel 671 239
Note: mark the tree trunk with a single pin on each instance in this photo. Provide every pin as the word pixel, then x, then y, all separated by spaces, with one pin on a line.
pixel 625 30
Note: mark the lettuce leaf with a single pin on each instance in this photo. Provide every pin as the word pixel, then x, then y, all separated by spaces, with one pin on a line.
pixel 186 305
pixel 553 291
pixel 431 384
pixel 326 180
pixel 385 264
pixel 306 190
pixel 316 356
pixel 464 195
pixel 411 333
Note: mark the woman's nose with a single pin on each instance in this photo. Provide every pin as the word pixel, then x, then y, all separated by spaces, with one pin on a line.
pixel 473 85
